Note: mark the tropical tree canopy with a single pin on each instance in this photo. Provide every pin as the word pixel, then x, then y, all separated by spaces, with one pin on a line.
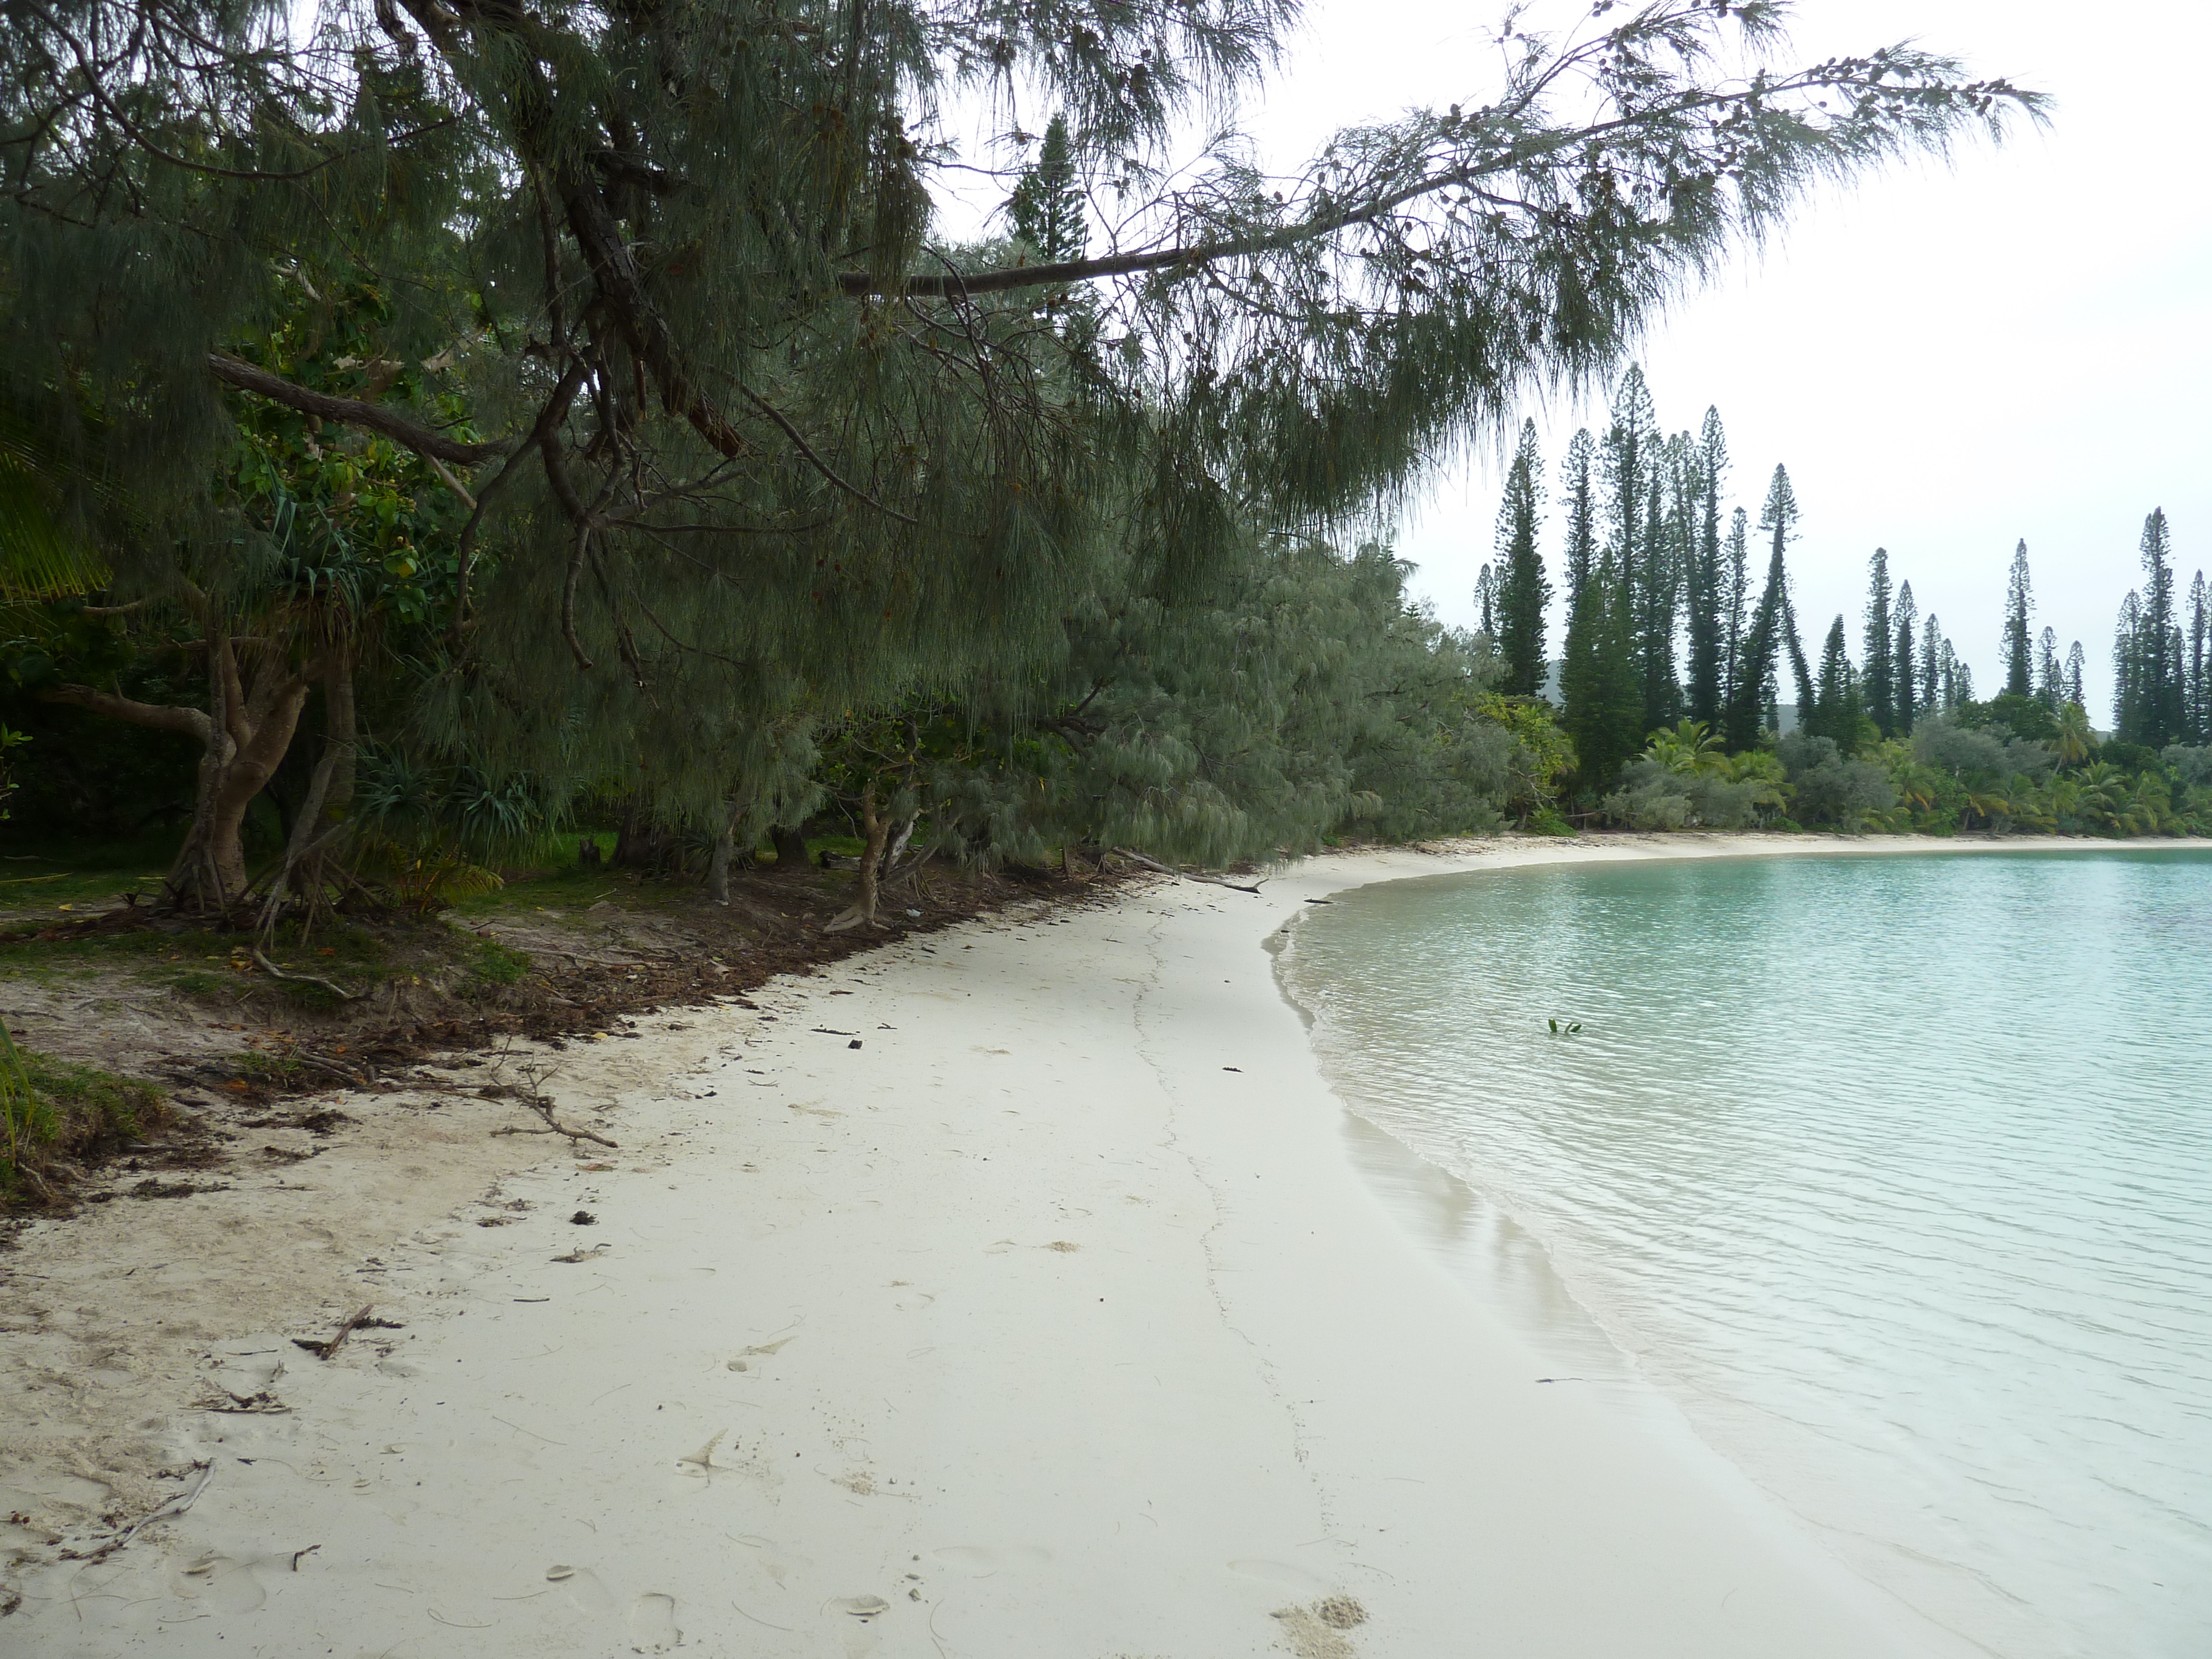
pixel 646 311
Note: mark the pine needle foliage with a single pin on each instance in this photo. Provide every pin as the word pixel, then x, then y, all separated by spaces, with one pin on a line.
pixel 741 446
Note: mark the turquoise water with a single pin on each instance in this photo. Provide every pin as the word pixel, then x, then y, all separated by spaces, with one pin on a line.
pixel 1895 1172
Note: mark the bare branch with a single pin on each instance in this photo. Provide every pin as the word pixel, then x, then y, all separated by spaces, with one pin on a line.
pixel 350 411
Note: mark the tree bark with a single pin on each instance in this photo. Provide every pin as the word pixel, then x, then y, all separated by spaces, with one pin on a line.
pixel 718 866
pixel 790 844
pixel 322 815
pixel 874 832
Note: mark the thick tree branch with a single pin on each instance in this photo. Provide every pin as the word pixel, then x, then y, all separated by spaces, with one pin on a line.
pixel 161 717
pixel 1859 78
pixel 350 411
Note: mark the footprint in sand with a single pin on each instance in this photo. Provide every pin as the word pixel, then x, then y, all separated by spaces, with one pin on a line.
pixel 652 1624
pixel 220 1582
pixel 583 1588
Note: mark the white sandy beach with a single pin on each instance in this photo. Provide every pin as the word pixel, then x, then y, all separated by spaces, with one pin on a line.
pixel 1012 1291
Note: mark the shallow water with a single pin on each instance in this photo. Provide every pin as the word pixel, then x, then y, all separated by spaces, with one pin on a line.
pixel 1895 1172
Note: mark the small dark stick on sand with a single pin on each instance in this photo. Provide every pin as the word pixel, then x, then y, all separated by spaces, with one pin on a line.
pixel 325 1350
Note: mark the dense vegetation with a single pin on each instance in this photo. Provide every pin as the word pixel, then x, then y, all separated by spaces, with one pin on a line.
pixel 1673 659
pixel 421 423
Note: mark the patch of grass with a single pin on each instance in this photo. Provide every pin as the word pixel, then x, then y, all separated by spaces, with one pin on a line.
pixel 61 879
pixel 494 963
pixel 269 1070
pixel 52 1109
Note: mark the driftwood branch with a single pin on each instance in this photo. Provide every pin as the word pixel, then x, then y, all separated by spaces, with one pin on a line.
pixel 1186 875
pixel 336 990
pixel 554 1126
pixel 353 1321
pixel 175 1506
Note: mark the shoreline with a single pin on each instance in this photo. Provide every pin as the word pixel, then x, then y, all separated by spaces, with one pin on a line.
pixel 1053 1315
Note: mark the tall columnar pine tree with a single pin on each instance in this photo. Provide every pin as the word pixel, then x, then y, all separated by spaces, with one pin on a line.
pixel 1658 604
pixel 2128 720
pixel 1931 665
pixel 1836 708
pixel 2050 678
pixel 2156 645
pixel 1705 592
pixel 2199 665
pixel 1801 669
pixel 1598 680
pixel 1751 698
pixel 2076 662
pixel 1906 692
pixel 2019 648
pixel 1046 208
pixel 1735 604
pixel 1881 681
pixel 1958 679
pixel 1632 458
pixel 1578 497
pixel 1523 592
pixel 1486 602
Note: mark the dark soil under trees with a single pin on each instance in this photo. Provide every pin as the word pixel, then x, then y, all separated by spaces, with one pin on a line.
pixel 178 1042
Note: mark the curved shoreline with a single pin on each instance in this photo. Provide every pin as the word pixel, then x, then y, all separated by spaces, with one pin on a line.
pixel 1052 1317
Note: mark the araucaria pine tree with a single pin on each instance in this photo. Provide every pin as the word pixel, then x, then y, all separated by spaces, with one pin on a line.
pixel 2157 647
pixel 2199 665
pixel 1751 698
pixel 1735 605
pixel 1522 592
pixel 2049 689
pixel 2019 601
pixel 1578 496
pixel 2076 662
pixel 1598 680
pixel 1931 667
pixel 1835 711
pixel 1635 465
pixel 1881 681
pixel 1906 692
pixel 1046 208
pixel 2128 717
pixel 1705 590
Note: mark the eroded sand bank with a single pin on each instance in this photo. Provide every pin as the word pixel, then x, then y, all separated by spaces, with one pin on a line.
pixel 1005 1292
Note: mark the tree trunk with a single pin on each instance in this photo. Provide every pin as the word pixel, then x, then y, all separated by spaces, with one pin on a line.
pixel 790 844
pixel 639 843
pixel 244 735
pixel 874 833
pixel 718 866
pixel 322 814
pixel 905 833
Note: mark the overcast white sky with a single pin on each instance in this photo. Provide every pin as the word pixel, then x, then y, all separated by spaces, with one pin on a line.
pixel 1947 359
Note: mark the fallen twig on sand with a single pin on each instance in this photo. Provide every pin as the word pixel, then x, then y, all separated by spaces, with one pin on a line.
pixel 176 1505
pixel 553 1126
pixel 1186 875
pixel 325 1350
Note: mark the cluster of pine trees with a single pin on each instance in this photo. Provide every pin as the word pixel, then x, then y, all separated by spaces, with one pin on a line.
pixel 1670 676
